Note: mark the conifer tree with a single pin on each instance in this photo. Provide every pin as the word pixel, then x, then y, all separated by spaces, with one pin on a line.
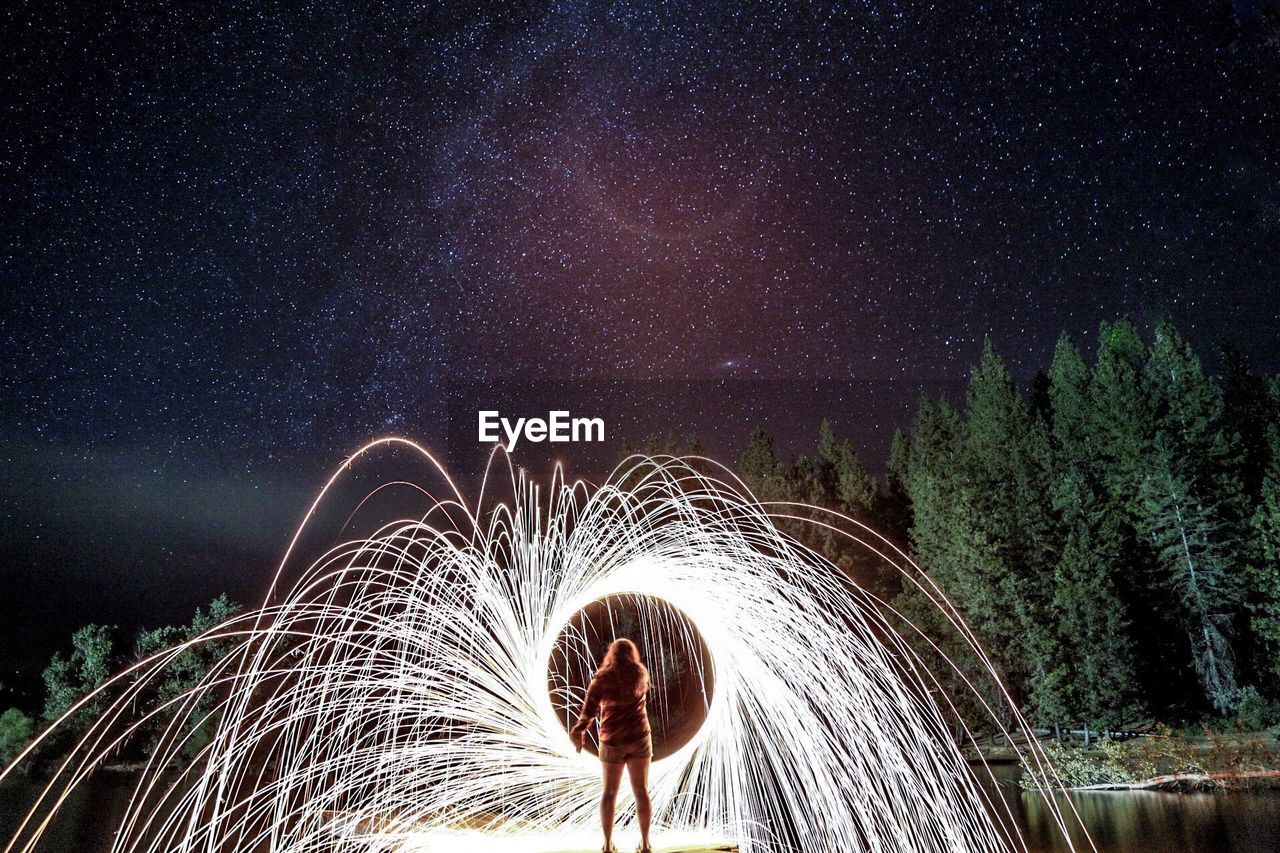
pixel 1096 655
pixel 929 480
pixel 1252 411
pixel 899 459
pixel 1069 410
pixel 1119 435
pixel 1003 458
pixel 1108 543
pixel 838 481
pixel 1097 661
pixel 1263 578
pixel 761 470
pixel 894 509
pixel 945 543
pixel 1188 496
pixel 1120 414
pixel 853 489
pixel 67 679
pixel 969 480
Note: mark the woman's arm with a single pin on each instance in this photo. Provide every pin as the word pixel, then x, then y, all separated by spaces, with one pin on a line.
pixel 590 707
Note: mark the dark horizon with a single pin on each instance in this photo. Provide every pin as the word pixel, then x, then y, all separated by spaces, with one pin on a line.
pixel 144 546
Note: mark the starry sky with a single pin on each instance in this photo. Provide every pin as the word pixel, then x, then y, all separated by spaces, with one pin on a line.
pixel 240 239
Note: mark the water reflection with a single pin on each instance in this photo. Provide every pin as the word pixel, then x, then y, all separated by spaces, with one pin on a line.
pixel 1229 822
pixel 1128 821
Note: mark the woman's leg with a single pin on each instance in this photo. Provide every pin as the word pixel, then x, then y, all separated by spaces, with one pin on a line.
pixel 638 770
pixel 612 779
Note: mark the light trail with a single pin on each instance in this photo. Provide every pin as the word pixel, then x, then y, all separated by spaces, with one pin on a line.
pixel 396 698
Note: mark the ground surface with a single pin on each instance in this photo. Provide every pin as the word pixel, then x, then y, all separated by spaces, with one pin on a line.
pixel 660 849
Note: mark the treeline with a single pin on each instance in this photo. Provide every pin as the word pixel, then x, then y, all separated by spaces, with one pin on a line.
pixel 1111 534
pixel 95 656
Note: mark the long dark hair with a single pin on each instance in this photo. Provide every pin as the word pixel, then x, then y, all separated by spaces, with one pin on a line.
pixel 621 673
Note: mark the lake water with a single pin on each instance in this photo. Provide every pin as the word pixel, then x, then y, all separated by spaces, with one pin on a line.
pixel 1130 821
pixel 1133 821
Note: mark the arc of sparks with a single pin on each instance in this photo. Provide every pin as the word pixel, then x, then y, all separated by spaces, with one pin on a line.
pixel 396 698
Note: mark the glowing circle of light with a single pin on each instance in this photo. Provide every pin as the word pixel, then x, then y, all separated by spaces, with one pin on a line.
pixel 395 698
pixel 682 679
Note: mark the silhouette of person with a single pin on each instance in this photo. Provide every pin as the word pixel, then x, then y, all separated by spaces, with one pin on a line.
pixel 617 694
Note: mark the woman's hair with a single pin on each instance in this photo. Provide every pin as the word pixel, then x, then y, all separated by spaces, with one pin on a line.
pixel 622 673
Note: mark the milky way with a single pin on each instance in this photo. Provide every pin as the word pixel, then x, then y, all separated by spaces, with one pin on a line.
pixel 222 209
pixel 270 226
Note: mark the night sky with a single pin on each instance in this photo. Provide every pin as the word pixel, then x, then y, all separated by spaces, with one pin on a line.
pixel 240 239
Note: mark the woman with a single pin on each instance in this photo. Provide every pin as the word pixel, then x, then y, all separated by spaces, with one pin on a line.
pixel 617 693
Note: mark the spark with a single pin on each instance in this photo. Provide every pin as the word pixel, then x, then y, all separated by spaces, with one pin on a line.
pixel 396 698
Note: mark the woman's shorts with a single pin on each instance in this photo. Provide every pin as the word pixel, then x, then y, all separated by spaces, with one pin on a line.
pixel 619 753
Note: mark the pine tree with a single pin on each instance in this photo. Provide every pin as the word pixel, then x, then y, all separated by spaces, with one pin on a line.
pixel 803 483
pixel 842 474
pixel 1120 411
pixel 944 543
pixel 980 522
pixel 1118 519
pixel 839 482
pixel 1090 614
pixel 1251 406
pixel 1189 494
pixel 68 679
pixel 1097 675
pixel 1004 458
pixel 697 449
pixel 761 470
pixel 930 481
pixel 1252 411
pixel 825 489
pixel 665 445
pixel 1263 578
pixel 1119 436
pixel 1184 535
pixel 899 460
pixel 894 509
pixel 1069 410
